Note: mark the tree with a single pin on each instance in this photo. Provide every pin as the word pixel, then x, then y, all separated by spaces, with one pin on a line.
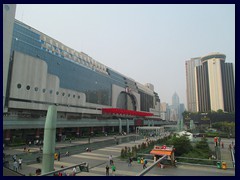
pixel 181 144
pixel 203 146
pixel 220 111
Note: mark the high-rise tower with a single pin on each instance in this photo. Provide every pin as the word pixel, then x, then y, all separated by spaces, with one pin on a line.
pixel 210 84
pixel 190 83
pixel 215 87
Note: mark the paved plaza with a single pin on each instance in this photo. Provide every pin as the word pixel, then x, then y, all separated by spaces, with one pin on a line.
pixel 99 158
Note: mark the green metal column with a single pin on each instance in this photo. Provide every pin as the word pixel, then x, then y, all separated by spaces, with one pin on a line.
pixel 127 126
pixel 49 140
pixel 120 125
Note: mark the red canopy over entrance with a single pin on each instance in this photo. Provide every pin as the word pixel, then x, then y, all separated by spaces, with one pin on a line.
pixel 125 112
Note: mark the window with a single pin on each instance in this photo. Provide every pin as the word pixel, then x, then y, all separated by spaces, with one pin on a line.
pixel 44 90
pixel 63 94
pixel 19 86
pixel 57 93
pixel 51 91
pixel 36 88
pixel 28 87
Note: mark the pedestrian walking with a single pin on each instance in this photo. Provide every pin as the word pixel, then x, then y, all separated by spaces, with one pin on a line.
pixel 130 161
pixel 230 146
pixel 67 153
pixel 63 172
pixel 107 170
pixel 59 156
pixel 74 171
pixel 15 165
pixel 175 163
pixel 113 169
pixel 110 159
pixel 14 157
pixel 145 164
pixel 20 163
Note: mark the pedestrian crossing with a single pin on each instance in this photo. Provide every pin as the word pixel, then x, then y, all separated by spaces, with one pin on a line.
pixel 89 157
pixel 95 154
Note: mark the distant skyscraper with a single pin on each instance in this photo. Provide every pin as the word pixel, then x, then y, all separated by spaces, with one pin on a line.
pixel 175 100
pixel 213 82
pixel 165 111
pixel 181 110
pixel 190 83
pixel 175 107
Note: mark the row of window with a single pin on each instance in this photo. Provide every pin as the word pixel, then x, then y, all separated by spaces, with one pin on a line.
pixel 19 86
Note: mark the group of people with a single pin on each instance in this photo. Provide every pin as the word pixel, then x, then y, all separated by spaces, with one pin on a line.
pixel 113 167
pixel 17 164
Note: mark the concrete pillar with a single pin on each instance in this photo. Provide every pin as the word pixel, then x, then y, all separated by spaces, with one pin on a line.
pixel 60 134
pixel 91 130
pixel 49 140
pixel 120 125
pixel 113 129
pixel 7 135
pixel 37 133
pixel 127 126
pixel 78 131
pixel 152 122
pixel 103 129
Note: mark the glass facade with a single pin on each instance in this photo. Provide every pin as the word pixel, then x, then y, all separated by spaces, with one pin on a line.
pixel 77 71
pixel 72 75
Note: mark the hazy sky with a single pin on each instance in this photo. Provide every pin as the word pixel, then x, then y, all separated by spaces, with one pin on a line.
pixel 149 43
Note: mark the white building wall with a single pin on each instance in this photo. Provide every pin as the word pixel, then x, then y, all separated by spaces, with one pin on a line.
pixel 215 84
pixel 32 72
pixel 8 21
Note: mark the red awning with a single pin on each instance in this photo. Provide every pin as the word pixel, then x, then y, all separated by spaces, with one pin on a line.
pixel 125 112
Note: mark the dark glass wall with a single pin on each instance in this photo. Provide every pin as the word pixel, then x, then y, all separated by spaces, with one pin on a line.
pixel 228 86
pixel 204 103
pixel 146 101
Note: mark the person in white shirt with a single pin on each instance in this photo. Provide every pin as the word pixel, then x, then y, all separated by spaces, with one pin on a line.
pixel 110 159
pixel 20 163
pixel 74 171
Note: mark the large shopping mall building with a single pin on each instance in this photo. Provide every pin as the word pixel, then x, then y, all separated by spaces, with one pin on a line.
pixel 90 97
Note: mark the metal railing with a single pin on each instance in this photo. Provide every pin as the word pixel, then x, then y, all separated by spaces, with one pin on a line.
pixel 150 167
